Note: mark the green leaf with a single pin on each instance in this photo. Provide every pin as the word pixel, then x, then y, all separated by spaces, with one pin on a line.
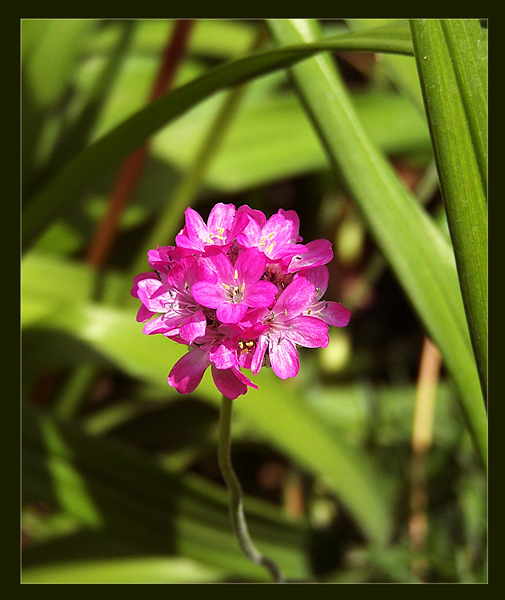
pixel 107 152
pixel 452 61
pixel 142 569
pixel 258 149
pixel 46 73
pixel 415 249
pixel 48 69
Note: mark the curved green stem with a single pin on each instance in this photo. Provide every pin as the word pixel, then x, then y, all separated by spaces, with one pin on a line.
pixel 236 506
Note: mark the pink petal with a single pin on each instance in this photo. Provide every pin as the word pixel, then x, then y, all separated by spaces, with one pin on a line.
pixel 252 214
pixel 154 295
pixel 184 272
pixel 208 294
pixel 216 262
pixel 319 277
pixel 250 264
pixel 195 227
pixel 291 215
pixel 277 233
pixel 309 332
pixel 242 216
pixel 244 379
pixel 225 355
pixel 284 358
pixel 188 371
pixel 230 382
pixel 319 252
pixel 257 359
pixel 295 298
pixel 251 234
pixel 259 294
pixel 336 314
pixel 183 241
pixel 253 316
pixel 227 312
pixel 221 216
pixel 166 323
pixel 141 277
pixel 144 314
pixel 193 327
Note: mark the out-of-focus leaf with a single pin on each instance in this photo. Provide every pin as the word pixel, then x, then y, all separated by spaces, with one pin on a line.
pixel 46 73
pixel 76 133
pixel 351 409
pixel 106 486
pixel 48 69
pixel 213 38
pixel 452 61
pixel 259 147
pixel 107 152
pixel 156 569
pixel 418 253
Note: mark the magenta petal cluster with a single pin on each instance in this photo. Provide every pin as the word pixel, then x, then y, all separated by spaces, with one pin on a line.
pixel 242 292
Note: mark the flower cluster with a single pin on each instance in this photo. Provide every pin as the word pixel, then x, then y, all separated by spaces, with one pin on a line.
pixel 242 292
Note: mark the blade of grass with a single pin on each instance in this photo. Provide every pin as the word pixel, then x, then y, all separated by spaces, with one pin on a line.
pixel 107 152
pixel 451 57
pixel 418 253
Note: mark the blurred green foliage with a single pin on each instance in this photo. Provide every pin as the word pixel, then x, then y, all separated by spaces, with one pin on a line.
pixel 120 475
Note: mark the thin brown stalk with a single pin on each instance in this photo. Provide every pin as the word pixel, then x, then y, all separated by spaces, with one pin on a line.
pixel 130 173
pixel 422 436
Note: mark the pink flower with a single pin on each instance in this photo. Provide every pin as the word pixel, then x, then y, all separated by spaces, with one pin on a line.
pixel 188 372
pixel 277 238
pixel 221 228
pixel 180 313
pixel 289 327
pixel 242 292
pixel 232 288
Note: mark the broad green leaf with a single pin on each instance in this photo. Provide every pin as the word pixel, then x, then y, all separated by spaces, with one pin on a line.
pixel 277 410
pixel 259 146
pixel 108 487
pixel 107 152
pixel 141 569
pixel 452 61
pixel 417 252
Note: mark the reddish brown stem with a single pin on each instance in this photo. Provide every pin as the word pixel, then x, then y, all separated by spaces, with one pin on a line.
pixel 129 174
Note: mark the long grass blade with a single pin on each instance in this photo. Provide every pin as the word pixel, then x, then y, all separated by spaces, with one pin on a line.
pixel 415 249
pixel 451 57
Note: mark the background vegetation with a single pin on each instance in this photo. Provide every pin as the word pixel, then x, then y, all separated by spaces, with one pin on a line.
pixel 370 466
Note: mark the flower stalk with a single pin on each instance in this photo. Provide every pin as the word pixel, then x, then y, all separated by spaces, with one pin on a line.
pixel 235 491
